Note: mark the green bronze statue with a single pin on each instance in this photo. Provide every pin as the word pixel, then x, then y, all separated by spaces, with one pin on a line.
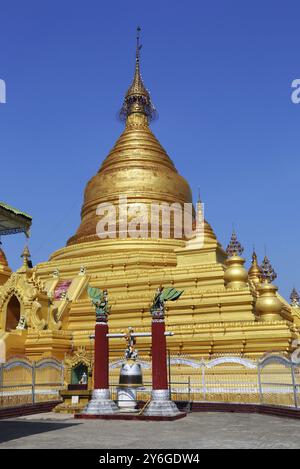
pixel 99 300
pixel 161 296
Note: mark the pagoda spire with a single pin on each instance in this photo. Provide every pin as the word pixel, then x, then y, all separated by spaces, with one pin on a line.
pixel 137 98
pixel 254 273
pixel 268 274
pixel 235 275
pixel 295 298
pixel 234 247
pixel 5 270
pixel 268 306
pixel 3 260
pixel 26 257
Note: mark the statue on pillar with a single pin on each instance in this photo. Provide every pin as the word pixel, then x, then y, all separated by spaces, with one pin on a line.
pixel 99 300
pixel 161 404
pixel 130 353
pixel 162 295
pixel 101 402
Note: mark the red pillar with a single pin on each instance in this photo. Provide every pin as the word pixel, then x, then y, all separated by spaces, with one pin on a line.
pixel 101 357
pixel 159 355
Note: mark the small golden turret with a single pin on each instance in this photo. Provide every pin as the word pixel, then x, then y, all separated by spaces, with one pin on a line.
pixel 235 275
pixel 295 298
pixel 3 260
pixel 254 273
pixel 26 258
pixel 204 234
pixel 5 270
pixel 268 306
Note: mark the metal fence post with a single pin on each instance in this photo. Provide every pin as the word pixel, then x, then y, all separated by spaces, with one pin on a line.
pixel 1 382
pixel 169 367
pixel 1 376
pixel 33 382
pixel 203 382
pixel 294 385
pixel 62 376
pixel 261 397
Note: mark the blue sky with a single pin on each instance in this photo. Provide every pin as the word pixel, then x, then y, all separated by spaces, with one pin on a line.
pixel 220 75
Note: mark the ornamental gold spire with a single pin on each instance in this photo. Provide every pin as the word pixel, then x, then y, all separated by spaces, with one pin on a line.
pixel 5 270
pixel 3 260
pixel 268 306
pixel 26 257
pixel 137 98
pixel 234 247
pixel 254 272
pixel 267 272
pixel 295 298
pixel 235 275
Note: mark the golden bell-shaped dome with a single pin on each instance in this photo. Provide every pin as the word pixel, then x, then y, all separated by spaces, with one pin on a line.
pixel 235 275
pixel 137 167
pixel 268 306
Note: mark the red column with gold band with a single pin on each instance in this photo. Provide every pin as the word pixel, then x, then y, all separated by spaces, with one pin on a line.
pixel 160 404
pixel 159 355
pixel 101 402
pixel 101 360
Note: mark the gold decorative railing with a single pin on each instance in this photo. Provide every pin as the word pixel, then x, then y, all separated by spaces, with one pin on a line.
pixel 24 382
pixel 273 380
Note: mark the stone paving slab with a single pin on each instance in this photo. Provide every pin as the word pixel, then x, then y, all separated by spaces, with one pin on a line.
pixel 197 430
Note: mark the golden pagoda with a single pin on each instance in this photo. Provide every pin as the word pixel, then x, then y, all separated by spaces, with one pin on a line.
pixel 224 309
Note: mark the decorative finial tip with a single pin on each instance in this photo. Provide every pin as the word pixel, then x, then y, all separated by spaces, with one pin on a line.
pixel 137 98
pixel 268 273
pixel 234 247
pixel 254 255
pixel 295 298
pixel 199 196
pixel 26 257
pixel 138 45
pixel 25 254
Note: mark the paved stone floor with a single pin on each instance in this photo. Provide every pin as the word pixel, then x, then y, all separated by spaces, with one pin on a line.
pixel 197 430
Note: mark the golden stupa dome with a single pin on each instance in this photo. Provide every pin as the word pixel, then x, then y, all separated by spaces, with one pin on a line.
pixel 268 306
pixel 137 167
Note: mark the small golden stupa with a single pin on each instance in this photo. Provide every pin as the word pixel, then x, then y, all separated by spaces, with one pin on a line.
pixel 224 308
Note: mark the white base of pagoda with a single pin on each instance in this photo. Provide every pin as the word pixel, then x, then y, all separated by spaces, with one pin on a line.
pixel 161 405
pixel 100 404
